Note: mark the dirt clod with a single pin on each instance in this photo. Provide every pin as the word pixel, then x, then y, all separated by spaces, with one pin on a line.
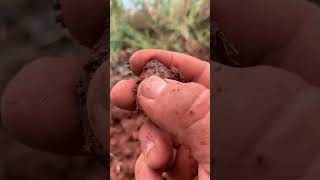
pixel 156 68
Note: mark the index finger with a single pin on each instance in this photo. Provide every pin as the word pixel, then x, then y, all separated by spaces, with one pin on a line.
pixel 257 27
pixel 281 33
pixel 191 68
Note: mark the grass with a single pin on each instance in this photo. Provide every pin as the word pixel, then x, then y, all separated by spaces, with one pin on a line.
pixel 177 25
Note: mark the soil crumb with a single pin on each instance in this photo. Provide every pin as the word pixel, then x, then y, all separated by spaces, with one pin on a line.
pixel 156 68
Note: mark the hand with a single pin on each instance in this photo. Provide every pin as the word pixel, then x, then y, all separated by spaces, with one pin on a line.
pixel 266 119
pixel 181 112
pixel 39 106
pixel 283 34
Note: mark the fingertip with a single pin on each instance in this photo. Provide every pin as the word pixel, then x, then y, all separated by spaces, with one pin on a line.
pixel 142 171
pixel 147 105
pixel 122 94
pixel 191 68
pixel 38 105
pixel 138 59
pixel 152 87
pixel 156 146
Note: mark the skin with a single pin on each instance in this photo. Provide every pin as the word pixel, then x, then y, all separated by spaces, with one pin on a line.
pixel 283 34
pixel 80 23
pixel 280 132
pixel 278 137
pixel 39 105
pixel 186 121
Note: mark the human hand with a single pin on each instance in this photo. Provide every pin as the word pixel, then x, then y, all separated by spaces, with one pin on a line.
pixel 181 112
pixel 39 106
pixel 284 34
pixel 266 119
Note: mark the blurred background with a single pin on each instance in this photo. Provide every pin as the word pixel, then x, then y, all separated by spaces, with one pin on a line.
pixel 28 31
pixel 176 25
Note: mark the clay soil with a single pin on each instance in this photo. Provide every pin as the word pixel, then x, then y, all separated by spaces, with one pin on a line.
pixel 124 148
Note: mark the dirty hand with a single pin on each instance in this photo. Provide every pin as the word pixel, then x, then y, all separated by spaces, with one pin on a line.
pixel 180 114
pixel 39 106
pixel 266 118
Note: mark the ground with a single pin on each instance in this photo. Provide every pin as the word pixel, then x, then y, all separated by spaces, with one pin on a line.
pixel 124 148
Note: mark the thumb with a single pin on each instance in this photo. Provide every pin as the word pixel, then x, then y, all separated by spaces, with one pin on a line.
pixel 182 109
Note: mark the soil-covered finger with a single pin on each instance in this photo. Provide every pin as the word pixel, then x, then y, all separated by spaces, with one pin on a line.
pixel 165 110
pixel 122 95
pixel 190 68
pixel 256 36
pixel 185 167
pixel 87 28
pixel 142 171
pixel 39 105
pixel 156 146
pixel 97 129
pixel 156 68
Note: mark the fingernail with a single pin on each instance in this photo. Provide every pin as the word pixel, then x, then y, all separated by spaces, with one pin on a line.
pixel 152 87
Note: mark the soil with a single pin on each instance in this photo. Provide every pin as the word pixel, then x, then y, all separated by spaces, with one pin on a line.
pixel 124 148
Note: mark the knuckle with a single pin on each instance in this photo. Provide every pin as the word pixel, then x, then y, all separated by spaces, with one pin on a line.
pixel 199 109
